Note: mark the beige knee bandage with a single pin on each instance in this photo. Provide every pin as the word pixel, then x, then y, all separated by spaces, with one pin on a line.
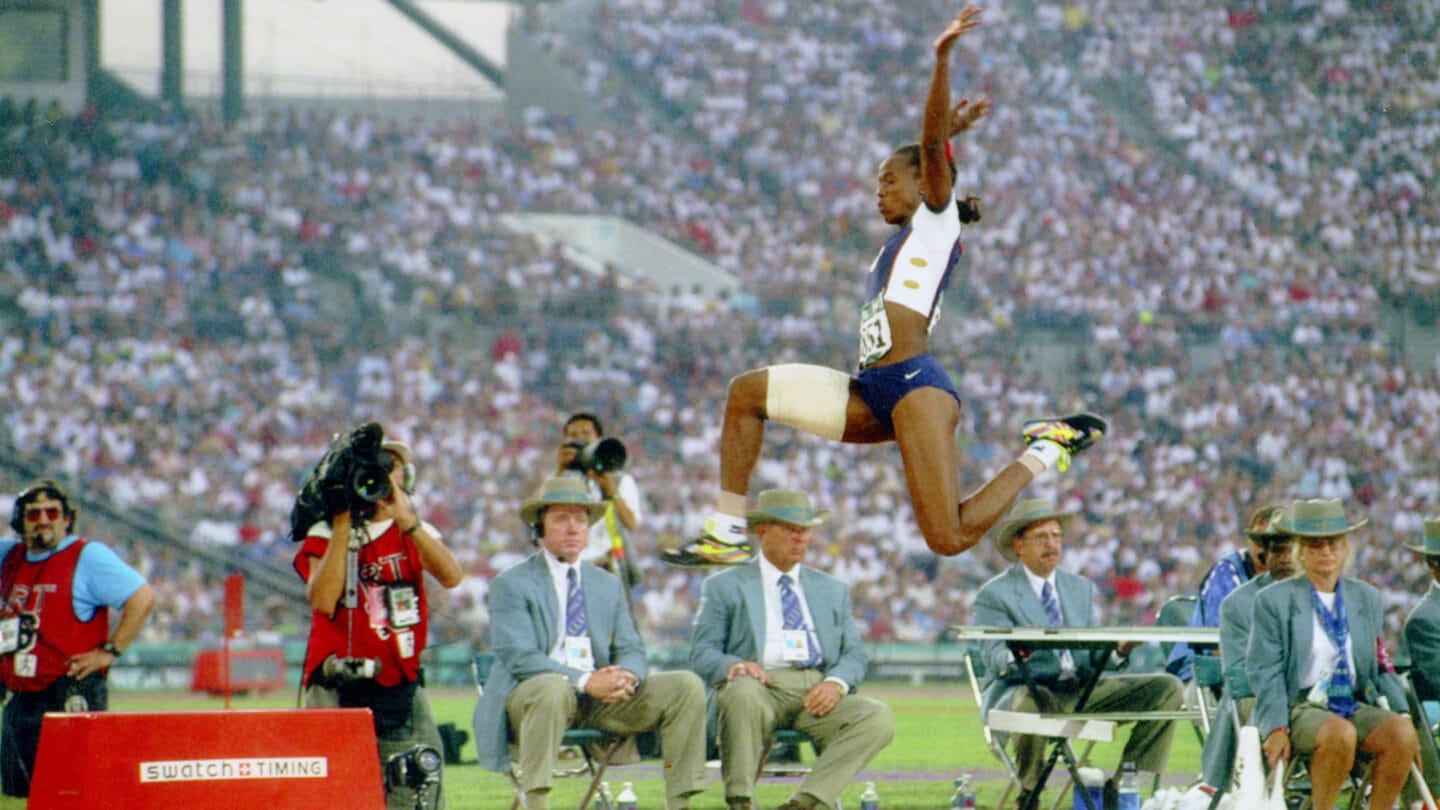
pixel 808 398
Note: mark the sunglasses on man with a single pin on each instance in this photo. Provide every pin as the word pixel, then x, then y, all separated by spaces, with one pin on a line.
pixel 34 513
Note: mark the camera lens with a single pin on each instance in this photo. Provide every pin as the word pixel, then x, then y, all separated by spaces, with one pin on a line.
pixel 371 483
pixel 428 759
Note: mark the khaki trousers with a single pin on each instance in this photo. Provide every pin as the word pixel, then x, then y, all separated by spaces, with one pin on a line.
pixel 542 707
pixel 846 738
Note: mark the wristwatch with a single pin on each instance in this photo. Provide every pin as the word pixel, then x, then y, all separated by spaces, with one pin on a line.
pixel 109 647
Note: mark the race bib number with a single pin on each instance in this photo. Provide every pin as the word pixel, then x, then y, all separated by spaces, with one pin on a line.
pixel 875 339
pixel 795 645
pixel 578 654
pixel 9 635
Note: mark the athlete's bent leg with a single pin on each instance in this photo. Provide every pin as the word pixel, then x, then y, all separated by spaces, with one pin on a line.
pixel 925 423
pixel 814 399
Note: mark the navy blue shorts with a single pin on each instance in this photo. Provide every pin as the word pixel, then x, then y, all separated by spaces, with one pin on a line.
pixel 882 387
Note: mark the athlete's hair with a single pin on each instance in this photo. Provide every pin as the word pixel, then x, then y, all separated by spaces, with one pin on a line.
pixel 968 207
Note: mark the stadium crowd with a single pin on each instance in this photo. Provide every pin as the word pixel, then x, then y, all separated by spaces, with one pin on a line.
pixel 191 311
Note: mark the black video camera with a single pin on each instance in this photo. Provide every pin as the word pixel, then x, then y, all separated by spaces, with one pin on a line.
pixel 605 455
pixel 354 475
pixel 416 768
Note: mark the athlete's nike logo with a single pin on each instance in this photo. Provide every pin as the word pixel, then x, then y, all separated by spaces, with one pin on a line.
pixel 912 375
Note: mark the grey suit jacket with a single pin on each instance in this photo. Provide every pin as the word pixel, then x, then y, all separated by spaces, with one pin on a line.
pixel 1422 639
pixel 1235 614
pixel 1218 754
pixel 729 627
pixel 525 621
pixel 1281 637
pixel 1007 600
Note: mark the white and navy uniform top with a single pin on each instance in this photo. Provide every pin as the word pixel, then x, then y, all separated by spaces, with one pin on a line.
pixel 912 270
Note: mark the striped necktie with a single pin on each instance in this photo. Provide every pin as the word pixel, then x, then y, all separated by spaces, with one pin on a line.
pixel 1052 604
pixel 574 606
pixel 794 618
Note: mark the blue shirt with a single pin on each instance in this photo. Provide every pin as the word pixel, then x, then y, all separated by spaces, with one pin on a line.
pixel 101 577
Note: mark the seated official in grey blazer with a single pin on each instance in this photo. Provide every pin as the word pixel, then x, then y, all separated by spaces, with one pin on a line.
pixel 1422 641
pixel 1217 757
pixel 1035 592
pixel 1422 626
pixel 777 642
pixel 566 652
pixel 1313 665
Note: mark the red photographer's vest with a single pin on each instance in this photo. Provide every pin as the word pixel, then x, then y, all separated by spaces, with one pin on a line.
pixel 44 590
pixel 386 562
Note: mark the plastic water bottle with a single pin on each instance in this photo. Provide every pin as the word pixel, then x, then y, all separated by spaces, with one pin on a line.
pixel 604 800
pixel 627 801
pixel 1128 787
pixel 964 795
pixel 869 800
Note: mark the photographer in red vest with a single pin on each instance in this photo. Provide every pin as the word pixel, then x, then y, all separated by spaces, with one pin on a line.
pixel 56 645
pixel 364 554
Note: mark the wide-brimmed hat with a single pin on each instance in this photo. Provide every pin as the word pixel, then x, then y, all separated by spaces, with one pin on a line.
pixel 1268 523
pixel 1430 546
pixel 1022 514
pixel 790 506
pixel 1319 517
pixel 561 489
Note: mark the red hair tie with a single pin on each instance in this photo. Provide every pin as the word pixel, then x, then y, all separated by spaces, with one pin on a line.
pixel 949 158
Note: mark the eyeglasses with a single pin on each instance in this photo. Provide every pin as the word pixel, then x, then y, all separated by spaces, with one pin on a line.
pixel 49 512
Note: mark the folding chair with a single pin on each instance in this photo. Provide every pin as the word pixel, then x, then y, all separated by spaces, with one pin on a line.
pixel 597 748
pixel 1176 612
pixel 785 737
pixel 996 744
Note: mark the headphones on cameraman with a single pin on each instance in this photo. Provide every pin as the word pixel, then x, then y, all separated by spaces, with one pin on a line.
pixel 407 467
pixel 29 493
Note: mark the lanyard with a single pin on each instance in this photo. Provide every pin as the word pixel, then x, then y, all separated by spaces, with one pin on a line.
pixel 1336 627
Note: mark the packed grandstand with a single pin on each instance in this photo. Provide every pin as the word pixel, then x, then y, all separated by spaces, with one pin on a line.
pixel 1218 229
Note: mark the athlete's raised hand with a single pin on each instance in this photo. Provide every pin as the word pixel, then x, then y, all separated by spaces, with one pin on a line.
pixel 964 115
pixel 968 18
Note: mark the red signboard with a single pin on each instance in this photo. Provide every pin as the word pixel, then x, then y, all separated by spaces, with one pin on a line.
pixel 213 759
pixel 258 669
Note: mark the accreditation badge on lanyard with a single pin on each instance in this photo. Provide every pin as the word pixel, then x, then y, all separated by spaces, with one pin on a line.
pixel 578 654
pixel 9 634
pixel 795 645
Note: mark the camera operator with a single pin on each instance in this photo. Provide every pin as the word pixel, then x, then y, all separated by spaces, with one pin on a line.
pixel 364 564
pixel 55 632
pixel 582 453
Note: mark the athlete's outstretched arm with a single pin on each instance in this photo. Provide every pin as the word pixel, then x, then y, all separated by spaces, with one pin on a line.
pixel 935 180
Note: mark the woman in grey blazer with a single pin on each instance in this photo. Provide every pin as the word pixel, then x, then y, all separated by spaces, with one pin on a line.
pixel 1312 662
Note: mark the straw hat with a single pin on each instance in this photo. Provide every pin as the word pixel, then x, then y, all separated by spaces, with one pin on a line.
pixel 561 489
pixel 1267 522
pixel 1022 514
pixel 1319 517
pixel 790 506
pixel 1431 545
